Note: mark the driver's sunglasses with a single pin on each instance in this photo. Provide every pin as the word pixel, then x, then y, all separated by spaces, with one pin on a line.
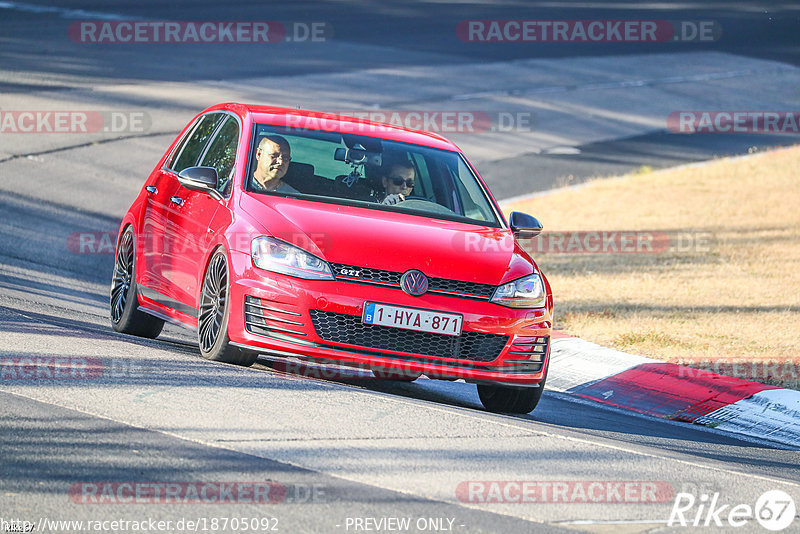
pixel 397 180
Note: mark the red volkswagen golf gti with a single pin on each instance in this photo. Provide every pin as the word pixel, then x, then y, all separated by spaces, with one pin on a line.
pixel 326 238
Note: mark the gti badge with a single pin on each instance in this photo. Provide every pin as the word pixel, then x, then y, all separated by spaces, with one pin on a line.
pixel 414 283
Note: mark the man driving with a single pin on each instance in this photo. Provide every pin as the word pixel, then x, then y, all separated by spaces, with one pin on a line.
pixel 273 156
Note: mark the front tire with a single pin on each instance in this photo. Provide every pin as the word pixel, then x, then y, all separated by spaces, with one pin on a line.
pixel 509 399
pixel 212 317
pixel 125 315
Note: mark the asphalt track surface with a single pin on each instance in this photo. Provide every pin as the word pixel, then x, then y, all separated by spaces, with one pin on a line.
pixel 342 448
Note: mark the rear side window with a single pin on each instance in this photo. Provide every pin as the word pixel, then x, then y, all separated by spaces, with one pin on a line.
pixel 189 153
pixel 221 153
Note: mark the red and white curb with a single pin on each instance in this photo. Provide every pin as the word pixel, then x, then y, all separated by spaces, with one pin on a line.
pixel 674 392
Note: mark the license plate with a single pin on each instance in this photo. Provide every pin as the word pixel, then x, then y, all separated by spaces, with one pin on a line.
pixel 412 319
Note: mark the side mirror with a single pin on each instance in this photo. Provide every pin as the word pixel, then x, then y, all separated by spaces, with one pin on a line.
pixel 523 226
pixel 200 179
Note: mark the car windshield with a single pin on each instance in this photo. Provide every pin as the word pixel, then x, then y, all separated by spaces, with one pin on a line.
pixel 376 173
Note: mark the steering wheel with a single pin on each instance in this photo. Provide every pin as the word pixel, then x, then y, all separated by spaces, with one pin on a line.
pixel 415 197
pixel 430 205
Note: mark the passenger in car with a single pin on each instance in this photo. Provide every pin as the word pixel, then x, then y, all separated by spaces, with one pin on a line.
pixel 273 156
pixel 397 178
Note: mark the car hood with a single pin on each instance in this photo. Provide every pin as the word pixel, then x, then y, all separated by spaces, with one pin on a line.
pixel 380 239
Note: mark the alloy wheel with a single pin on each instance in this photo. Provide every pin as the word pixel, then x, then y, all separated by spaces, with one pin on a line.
pixel 213 302
pixel 123 275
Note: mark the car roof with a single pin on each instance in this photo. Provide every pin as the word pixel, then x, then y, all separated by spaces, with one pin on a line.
pixel 318 120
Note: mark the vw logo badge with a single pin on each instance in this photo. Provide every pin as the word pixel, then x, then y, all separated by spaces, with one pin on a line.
pixel 414 283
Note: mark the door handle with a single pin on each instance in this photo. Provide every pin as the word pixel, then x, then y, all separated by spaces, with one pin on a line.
pixel 151 189
pixel 176 200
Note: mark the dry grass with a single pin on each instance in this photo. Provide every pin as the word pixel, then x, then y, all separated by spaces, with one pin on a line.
pixel 733 295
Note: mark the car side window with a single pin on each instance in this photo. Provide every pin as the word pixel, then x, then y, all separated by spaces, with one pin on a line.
pixel 221 153
pixel 423 175
pixel 189 153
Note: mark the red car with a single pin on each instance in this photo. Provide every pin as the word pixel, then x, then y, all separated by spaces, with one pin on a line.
pixel 327 238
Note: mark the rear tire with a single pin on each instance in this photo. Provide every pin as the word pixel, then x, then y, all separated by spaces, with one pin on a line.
pixel 509 399
pixel 126 318
pixel 212 316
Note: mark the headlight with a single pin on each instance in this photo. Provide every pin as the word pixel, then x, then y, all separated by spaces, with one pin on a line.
pixel 525 292
pixel 274 255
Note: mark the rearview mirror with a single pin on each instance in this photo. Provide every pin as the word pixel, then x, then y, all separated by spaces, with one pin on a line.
pixel 357 155
pixel 200 179
pixel 524 226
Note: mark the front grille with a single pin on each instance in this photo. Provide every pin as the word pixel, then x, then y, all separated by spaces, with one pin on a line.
pixel 372 275
pixel 470 346
pixel 391 278
pixel 459 286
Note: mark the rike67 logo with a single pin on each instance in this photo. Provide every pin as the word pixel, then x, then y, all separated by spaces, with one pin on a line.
pixel 774 510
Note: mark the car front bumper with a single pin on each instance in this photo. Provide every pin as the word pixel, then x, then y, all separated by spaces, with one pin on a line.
pixel 282 316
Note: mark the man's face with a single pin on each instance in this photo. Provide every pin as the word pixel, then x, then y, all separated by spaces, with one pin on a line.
pixel 273 161
pixel 400 180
